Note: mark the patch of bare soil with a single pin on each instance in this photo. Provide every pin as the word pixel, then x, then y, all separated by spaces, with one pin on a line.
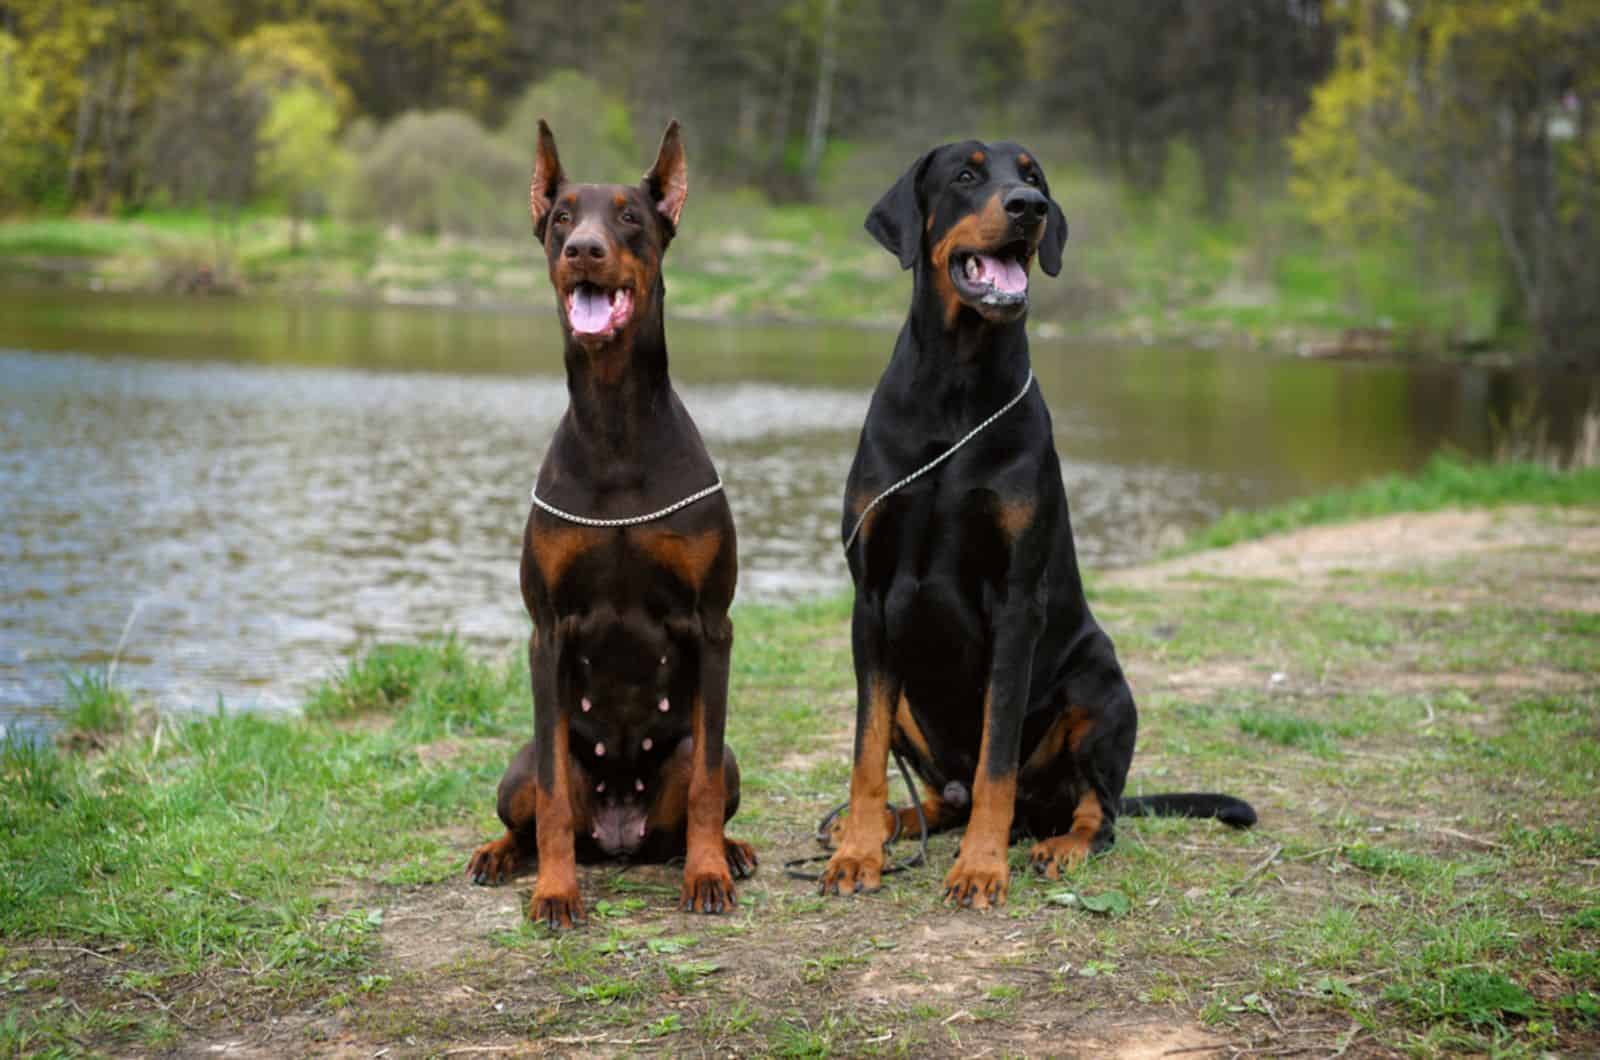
pixel 1411 541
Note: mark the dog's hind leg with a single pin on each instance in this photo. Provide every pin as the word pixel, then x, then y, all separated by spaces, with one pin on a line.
pixel 500 859
pixel 1067 851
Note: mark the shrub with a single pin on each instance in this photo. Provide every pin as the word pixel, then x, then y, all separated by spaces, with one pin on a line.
pixel 440 172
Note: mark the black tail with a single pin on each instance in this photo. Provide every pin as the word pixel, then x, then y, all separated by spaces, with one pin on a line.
pixel 1225 808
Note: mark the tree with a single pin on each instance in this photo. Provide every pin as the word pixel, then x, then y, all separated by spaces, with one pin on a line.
pixel 1461 119
pixel 202 143
pixel 300 158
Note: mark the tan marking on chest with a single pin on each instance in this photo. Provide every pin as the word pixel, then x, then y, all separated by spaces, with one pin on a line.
pixel 858 504
pixel 689 557
pixel 554 550
pixel 1015 517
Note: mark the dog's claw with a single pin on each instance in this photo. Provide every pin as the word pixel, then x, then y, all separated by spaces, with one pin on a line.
pixel 742 860
pixel 977 882
pixel 851 872
pixel 560 911
pixel 708 891
pixel 493 862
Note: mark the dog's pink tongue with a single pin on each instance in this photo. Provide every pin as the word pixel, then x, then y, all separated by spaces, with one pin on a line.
pixel 589 310
pixel 1005 273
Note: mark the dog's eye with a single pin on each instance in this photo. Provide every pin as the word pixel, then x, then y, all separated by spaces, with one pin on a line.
pixel 629 217
pixel 966 176
pixel 562 217
pixel 583 661
pixel 1032 178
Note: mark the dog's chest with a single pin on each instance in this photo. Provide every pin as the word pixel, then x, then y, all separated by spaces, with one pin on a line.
pixel 577 565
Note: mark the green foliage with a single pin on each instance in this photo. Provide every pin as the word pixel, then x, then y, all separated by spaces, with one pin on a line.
pixel 442 173
pixel 1445 482
pixel 592 126
pixel 1445 121
pixel 300 159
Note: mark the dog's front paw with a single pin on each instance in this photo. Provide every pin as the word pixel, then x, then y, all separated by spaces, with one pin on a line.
pixel 709 889
pixel 494 861
pixel 893 819
pixel 1058 854
pixel 978 881
pixel 559 906
pixel 853 870
pixel 742 860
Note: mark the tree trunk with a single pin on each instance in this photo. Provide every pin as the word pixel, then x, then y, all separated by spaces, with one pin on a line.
pixel 822 103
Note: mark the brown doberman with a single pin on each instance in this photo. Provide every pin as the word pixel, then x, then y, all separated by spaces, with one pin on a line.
pixel 976 655
pixel 628 588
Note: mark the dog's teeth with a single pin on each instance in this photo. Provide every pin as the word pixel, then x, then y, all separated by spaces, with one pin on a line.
pixel 638 785
pixel 972 268
pixel 587 706
pixel 663 706
pixel 600 787
pixel 648 743
pixel 599 750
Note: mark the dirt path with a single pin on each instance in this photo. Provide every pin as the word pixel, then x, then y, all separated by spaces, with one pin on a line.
pixel 1410 702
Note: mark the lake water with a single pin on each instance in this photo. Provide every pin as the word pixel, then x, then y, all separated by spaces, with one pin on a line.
pixel 230 497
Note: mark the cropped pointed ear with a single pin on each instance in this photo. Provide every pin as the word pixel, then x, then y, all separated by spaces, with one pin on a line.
pixel 896 221
pixel 547 177
pixel 668 180
pixel 1055 237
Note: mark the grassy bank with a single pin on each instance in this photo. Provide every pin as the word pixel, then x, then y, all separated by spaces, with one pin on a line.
pixel 1445 482
pixel 1416 732
pixel 1136 268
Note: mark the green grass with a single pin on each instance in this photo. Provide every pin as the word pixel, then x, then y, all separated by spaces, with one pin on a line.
pixel 1422 880
pixel 1444 482
pixel 94 705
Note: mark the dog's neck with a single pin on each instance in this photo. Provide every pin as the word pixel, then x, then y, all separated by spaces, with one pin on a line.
pixel 616 389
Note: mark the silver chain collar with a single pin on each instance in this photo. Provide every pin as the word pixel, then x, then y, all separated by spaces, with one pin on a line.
pixel 936 461
pixel 632 520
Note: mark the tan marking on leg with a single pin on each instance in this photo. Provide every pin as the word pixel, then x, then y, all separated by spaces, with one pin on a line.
pixel 707 881
pixel 980 877
pixel 1079 724
pixel 905 723
pixel 1066 852
pixel 858 863
pixel 555 897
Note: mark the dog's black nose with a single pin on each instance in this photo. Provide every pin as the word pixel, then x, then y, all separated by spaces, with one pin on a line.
pixel 1026 204
pixel 584 246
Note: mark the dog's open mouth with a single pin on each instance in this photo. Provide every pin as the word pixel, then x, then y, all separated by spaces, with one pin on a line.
pixel 598 312
pixel 995 279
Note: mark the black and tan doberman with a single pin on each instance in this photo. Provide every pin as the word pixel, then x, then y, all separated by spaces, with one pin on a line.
pixel 976 654
pixel 631 641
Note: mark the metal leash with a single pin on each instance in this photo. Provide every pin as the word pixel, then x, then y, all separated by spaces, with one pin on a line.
pixel 632 520
pixel 919 858
pixel 936 461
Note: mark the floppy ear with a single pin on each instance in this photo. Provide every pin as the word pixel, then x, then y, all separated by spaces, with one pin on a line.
pixel 668 180
pixel 1055 237
pixel 896 221
pixel 547 177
